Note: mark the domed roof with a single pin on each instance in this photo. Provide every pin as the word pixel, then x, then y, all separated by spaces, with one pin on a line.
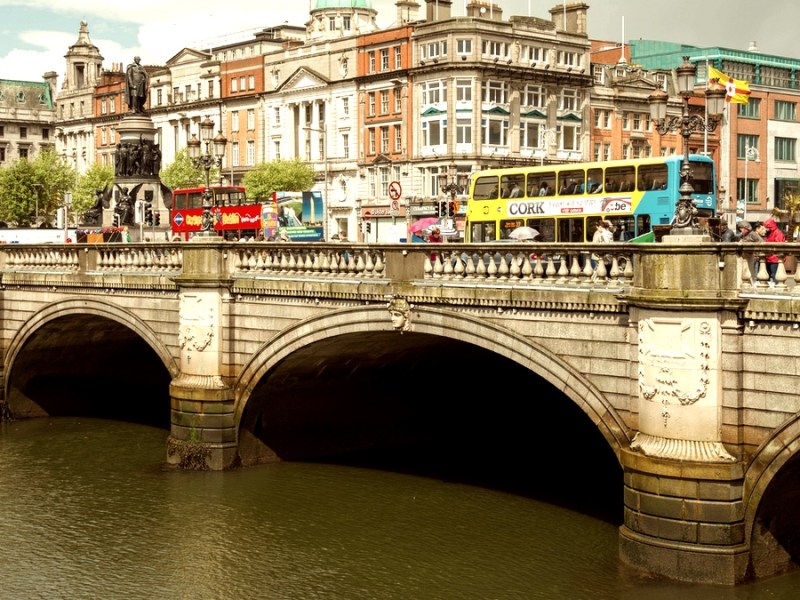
pixel 323 4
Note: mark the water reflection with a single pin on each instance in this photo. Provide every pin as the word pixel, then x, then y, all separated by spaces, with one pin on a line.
pixel 91 513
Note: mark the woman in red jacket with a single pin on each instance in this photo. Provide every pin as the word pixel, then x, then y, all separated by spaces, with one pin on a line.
pixel 774 234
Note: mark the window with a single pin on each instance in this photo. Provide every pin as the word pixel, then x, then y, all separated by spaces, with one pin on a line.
pixel 276 115
pixel 23 153
pixel 371 62
pixel 398 100
pixel 103 139
pixel 103 106
pixel 434 92
pixel 112 104
pixel 434 132
pixel 251 153
pixel 251 119
pixel 45 133
pixel 385 140
pixel 234 85
pixel 745 142
pixel 602 119
pixel 398 57
pixel 464 47
pixel 495 131
pixel 571 137
pixel 251 82
pixel 569 99
pixel 235 120
pixel 345 106
pixel 372 104
pixel 23 132
pixel 384 59
pixel 398 138
pixel 747 189
pixel 529 134
pixel 276 146
pixel 493 49
pixel 785 149
pixel 434 50
pixel 331 23
pixel 241 84
pixel 372 141
pixel 346 23
pixel 159 97
pixel 785 111
pixel 751 110
pixel 384 102
pixel 463 90
pixel 235 154
pixel 345 145
pixel 569 59
pixel 463 130
pixel 495 92
pixel 210 88
pixel 534 54
pixel 533 96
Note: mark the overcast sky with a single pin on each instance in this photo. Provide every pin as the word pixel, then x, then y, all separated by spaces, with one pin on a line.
pixel 36 34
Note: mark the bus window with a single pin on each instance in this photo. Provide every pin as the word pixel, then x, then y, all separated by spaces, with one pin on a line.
pixel 620 179
pixel 486 188
pixel 542 184
pixel 702 177
pixel 643 224
pixel 512 186
pixel 545 227
pixel 195 200
pixel 652 177
pixel 481 232
pixel 594 181
pixel 571 182
pixel 509 225
pixel 179 201
pixel 622 228
pixel 571 230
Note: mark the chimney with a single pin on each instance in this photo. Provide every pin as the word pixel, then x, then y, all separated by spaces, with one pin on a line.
pixel 407 11
pixel 438 10
pixel 570 17
pixel 753 47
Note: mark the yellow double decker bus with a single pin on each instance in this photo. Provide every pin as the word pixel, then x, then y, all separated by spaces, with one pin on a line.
pixel 564 202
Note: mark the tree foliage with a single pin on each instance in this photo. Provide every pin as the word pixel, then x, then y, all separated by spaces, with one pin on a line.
pixel 97 177
pixel 28 187
pixel 278 175
pixel 182 173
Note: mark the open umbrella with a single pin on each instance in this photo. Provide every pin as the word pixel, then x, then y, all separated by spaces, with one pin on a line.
pixel 523 233
pixel 418 226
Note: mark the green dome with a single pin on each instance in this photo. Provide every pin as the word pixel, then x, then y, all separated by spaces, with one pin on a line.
pixel 323 4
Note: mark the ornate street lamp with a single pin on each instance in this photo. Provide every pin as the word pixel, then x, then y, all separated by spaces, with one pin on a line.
pixel 452 186
pixel 207 159
pixel 685 221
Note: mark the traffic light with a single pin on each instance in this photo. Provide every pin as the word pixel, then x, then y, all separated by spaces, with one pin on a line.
pixel 158 219
pixel 451 209
pixel 442 209
pixel 369 227
pixel 148 214
pixel 116 220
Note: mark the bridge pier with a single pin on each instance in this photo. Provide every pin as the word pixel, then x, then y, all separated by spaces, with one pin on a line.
pixel 684 486
pixel 203 433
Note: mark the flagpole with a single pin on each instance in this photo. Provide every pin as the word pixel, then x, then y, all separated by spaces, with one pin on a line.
pixel 705 115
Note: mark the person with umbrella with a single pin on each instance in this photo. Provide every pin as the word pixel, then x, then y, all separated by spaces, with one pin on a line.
pixel 435 237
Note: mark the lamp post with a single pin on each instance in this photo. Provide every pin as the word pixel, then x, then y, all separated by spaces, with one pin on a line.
pixel 750 153
pixel 548 139
pixel 685 220
pixel 452 186
pixel 324 149
pixel 203 157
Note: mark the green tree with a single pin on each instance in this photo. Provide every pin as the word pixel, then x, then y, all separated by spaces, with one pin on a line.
pixel 278 175
pixel 31 189
pixel 182 173
pixel 97 177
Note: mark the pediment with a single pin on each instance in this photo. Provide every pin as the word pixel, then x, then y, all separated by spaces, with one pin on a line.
pixel 496 110
pixel 187 55
pixel 304 79
pixel 382 159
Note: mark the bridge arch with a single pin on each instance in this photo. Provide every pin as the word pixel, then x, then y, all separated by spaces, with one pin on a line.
pixel 771 527
pixel 86 307
pixel 437 322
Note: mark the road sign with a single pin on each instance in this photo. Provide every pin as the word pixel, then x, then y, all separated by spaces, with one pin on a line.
pixel 395 190
pixel 367 215
pixel 394 208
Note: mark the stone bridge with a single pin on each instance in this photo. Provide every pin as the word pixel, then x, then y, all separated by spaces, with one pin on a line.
pixel 680 359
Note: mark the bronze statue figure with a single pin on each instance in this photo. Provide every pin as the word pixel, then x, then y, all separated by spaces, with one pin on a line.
pixel 136 84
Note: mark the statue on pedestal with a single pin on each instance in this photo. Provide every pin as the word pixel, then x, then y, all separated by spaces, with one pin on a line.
pixel 136 85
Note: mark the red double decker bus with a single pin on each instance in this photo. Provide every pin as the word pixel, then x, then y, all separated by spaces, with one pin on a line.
pixel 233 215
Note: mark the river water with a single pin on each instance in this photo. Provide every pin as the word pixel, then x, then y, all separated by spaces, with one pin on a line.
pixel 88 511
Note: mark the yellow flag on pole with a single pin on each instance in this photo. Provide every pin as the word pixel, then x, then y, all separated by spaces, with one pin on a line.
pixel 738 91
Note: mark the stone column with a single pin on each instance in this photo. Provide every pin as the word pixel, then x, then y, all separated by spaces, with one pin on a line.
pixel 203 432
pixel 683 504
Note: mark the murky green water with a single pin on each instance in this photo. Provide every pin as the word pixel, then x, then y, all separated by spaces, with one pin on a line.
pixel 88 512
